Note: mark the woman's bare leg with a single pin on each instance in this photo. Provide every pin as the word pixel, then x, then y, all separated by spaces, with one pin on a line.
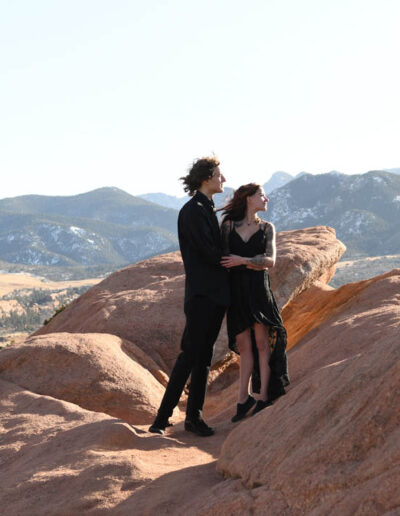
pixel 262 342
pixel 243 341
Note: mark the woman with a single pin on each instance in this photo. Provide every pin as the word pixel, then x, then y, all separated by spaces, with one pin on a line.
pixel 255 326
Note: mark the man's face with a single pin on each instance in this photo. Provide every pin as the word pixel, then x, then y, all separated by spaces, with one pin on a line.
pixel 216 183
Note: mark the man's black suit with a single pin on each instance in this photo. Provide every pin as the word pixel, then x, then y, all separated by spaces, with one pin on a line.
pixel 206 299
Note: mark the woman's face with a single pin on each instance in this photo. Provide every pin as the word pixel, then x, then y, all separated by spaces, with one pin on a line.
pixel 258 201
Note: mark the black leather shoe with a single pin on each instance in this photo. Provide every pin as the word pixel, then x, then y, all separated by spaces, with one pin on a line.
pixel 260 405
pixel 159 426
pixel 243 408
pixel 198 427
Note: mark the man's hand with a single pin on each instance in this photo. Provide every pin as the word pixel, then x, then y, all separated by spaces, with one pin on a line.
pixel 233 260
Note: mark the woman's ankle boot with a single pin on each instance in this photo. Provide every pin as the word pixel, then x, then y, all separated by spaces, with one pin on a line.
pixel 243 408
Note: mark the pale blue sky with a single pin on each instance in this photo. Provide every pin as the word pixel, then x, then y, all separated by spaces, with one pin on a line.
pixel 127 93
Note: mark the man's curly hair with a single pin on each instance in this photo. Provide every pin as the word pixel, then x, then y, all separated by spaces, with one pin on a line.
pixel 200 170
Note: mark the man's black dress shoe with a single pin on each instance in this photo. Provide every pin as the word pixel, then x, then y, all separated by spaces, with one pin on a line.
pixel 198 427
pixel 159 426
pixel 243 408
pixel 260 405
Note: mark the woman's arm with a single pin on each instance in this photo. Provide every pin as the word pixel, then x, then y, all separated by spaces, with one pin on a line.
pixel 257 267
pixel 267 259
pixel 260 261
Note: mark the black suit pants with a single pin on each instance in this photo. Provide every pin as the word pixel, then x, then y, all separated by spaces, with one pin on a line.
pixel 203 322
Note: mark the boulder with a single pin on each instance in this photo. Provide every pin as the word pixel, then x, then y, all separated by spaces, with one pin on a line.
pixel 304 256
pixel 96 371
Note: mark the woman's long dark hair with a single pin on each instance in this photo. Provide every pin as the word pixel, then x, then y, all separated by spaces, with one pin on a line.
pixel 236 207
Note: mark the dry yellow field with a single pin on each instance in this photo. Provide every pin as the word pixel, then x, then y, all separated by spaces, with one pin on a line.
pixel 364 268
pixel 10 282
pixel 18 282
pixel 389 258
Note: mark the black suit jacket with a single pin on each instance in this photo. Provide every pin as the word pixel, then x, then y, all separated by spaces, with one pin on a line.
pixel 201 249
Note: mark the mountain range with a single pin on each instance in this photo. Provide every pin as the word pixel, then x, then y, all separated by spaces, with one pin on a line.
pixel 104 227
pixel 277 180
pixel 108 228
pixel 364 209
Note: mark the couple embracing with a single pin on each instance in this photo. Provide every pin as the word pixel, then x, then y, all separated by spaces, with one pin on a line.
pixel 226 269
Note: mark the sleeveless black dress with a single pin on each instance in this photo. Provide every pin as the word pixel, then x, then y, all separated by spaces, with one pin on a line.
pixel 252 300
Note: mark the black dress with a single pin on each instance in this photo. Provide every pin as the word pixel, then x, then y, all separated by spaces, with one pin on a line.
pixel 252 300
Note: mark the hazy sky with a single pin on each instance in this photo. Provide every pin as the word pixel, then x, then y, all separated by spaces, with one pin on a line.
pixel 127 93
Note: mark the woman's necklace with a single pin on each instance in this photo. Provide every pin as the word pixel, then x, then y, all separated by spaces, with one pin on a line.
pixel 254 221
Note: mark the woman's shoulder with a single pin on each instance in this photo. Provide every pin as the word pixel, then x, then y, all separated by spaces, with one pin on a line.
pixel 267 227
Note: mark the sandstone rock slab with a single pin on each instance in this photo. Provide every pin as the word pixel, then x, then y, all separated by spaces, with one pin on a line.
pixel 59 459
pixel 331 444
pixel 95 371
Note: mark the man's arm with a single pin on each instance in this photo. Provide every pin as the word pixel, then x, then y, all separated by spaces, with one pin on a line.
pixel 195 228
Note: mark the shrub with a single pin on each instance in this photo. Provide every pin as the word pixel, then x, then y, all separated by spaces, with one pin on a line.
pixel 59 309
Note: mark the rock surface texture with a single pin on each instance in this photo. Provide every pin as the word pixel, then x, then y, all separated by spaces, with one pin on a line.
pixel 76 399
pixel 95 371
pixel 58 459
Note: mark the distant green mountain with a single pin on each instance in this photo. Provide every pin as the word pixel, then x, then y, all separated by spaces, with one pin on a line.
pixel 106 227
pixel 364 209
pixel 108 204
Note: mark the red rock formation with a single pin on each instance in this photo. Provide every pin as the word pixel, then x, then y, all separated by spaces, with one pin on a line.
pixel 304 256
pixel 331 444
pixel 144 302
pixel 60 459
pixel 96 371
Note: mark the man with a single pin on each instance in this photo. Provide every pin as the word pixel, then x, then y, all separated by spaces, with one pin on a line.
pixel 206 296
